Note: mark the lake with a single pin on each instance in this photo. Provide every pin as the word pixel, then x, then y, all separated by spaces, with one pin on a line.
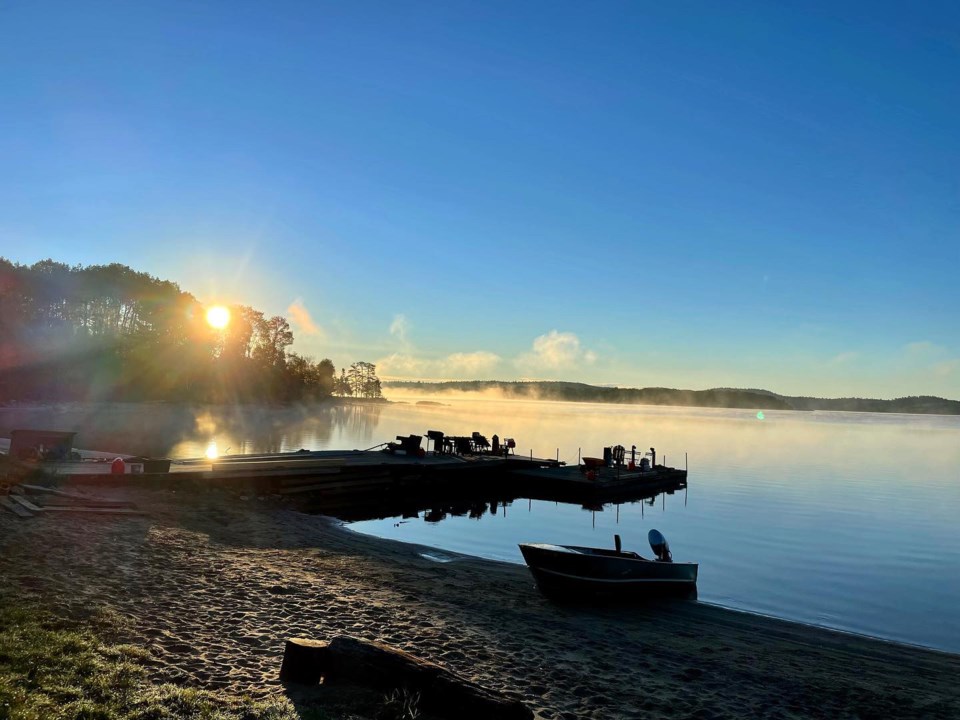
pixel 846 520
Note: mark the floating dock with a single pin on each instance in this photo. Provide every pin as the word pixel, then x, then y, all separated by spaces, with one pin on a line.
pixel 609 484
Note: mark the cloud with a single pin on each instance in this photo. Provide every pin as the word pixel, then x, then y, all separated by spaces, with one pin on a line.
pixel 923 349
pixel 456 366
pixel 555 351
pixel 400 328
pixel 844 357
pixel 302 320
pixel 472 363
pixel 946 368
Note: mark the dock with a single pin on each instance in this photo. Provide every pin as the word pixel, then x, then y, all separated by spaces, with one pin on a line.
pixel 328 480
pixel 609 484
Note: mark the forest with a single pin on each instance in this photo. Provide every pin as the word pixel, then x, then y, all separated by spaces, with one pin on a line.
pixel 108 332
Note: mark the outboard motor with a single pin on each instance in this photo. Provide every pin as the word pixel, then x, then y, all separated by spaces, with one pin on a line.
pixel 659 545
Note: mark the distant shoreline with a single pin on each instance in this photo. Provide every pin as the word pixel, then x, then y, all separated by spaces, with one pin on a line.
pixel 729 398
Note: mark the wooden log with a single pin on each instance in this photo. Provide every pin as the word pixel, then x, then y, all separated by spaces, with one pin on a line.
pixel 303 661
pixel 442 692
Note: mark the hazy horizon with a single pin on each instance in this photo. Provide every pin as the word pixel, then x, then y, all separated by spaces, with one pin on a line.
pixel 494 392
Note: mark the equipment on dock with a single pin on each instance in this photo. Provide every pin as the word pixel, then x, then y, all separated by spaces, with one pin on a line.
pixel 44 445
pixel 408 445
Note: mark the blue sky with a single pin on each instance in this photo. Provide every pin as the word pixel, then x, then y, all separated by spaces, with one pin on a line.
pixel 680 194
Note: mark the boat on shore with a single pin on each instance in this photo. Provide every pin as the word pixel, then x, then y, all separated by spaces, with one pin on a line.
pixel 573 569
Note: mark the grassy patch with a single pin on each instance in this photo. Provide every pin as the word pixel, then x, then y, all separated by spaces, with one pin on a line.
pixel 54 670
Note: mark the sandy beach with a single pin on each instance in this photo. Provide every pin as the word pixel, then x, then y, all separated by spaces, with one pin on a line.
pixel 213 585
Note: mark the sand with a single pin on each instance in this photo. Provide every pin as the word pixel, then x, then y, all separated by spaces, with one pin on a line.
pixel 213 586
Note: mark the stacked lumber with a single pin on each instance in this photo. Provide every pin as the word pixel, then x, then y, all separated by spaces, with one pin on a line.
pixel 25 501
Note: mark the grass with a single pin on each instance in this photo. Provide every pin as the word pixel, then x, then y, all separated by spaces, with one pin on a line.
pixel 52 669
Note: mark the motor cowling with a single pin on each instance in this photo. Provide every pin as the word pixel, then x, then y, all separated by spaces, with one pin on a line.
pixel 660 546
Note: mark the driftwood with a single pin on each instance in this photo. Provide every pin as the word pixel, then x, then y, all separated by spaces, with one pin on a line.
pixel 442 692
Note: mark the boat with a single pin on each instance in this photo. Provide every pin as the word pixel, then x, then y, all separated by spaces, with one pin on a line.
pixel 586 570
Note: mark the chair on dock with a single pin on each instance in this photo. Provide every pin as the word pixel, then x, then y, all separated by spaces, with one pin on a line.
pixel 439 443
pixel 480 443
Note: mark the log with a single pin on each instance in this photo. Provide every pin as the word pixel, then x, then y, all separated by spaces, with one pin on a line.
pixel 442 693
pixel 303 661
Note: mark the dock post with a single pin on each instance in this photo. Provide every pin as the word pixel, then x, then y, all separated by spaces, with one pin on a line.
pixel 558 455
pixel 578 455
pixel 686 462
pixel 531 453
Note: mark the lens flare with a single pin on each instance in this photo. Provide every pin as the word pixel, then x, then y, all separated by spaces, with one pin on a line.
pixel 760 415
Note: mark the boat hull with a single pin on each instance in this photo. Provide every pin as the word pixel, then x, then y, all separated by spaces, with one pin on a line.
pixel 592 571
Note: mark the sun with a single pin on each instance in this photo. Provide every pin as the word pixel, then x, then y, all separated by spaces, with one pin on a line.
pixel 218 316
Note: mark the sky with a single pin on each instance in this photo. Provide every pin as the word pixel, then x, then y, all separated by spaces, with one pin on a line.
pixel 690 194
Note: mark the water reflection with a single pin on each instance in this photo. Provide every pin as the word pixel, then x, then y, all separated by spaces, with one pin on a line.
pixel 393 510
pixel 182 431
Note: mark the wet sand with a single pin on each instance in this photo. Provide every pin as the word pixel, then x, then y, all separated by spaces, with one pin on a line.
pixel 214 585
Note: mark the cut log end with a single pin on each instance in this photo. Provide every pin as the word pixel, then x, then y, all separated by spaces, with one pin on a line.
pixel 304 661
pixel 350 660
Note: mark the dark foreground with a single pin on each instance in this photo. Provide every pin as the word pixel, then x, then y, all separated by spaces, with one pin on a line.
pixel 212 586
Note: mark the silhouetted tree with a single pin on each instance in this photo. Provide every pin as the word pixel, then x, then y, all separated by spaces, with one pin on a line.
pixel 109 332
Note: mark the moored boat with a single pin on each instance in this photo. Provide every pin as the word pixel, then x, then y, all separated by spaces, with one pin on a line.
pixel 577 569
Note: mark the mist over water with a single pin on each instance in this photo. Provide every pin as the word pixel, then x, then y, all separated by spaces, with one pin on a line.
pixel 846 520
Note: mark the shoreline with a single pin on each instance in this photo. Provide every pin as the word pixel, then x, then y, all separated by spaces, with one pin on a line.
pixel 425 550
pixel 212 586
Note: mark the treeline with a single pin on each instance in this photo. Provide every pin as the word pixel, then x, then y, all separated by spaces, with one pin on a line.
pixel 107 332
pixel 717 397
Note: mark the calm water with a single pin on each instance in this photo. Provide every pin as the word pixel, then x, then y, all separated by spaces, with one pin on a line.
pixel 845 520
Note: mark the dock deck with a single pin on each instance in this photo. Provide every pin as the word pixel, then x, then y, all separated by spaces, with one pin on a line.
pixel 610 484
pixel 340 477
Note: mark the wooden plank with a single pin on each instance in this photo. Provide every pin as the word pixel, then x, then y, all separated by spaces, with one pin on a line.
pixel 91 502
pixel 349 485
pixel 26 503
pixel 94 510
pixel 61 497
pixel 14 507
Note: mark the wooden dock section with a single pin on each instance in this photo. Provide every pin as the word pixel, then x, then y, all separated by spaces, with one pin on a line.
pixel 324 478
pixel 610 484
pixel 337 479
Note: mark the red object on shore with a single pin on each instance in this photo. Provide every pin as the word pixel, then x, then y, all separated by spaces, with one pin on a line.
pixel 591 475
pixel 118 467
